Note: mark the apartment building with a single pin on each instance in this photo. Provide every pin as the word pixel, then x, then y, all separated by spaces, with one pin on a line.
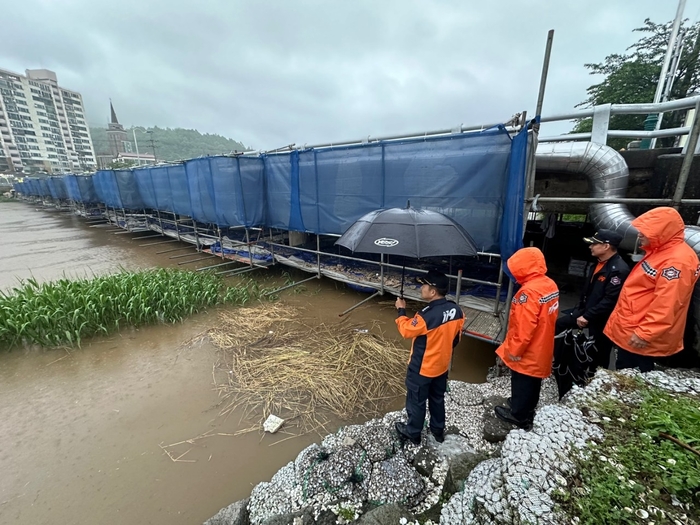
pixel 42 125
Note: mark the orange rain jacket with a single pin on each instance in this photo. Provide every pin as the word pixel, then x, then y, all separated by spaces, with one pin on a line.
pixel 435 330
pixel 654 300
pixel 533 316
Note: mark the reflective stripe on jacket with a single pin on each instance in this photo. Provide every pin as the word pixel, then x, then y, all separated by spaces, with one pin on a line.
pixel 654 300
pixel 533 316
pixel 435 330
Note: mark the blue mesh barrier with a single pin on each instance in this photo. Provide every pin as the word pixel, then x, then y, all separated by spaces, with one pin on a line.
pixel 144 183
pixel 57 187
pixel 44 188
pixel 464 176
pixel 179 189
pixel 201 189
pixel 81 188
pixel 477 179
pixel 229 190
pixel 99 180
pixel 117 189
pixel 511 237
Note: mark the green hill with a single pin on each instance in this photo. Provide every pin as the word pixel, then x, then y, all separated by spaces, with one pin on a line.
pixel 171 144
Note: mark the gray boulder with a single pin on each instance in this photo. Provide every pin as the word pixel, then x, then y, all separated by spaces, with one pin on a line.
pixel 390 513
pixel 495 430
pixel 234 514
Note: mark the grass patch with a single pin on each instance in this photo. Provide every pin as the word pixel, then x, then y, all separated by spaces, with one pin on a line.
pixel 66 311
pixel 646 469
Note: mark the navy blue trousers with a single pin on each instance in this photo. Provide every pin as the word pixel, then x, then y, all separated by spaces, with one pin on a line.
pixel 420 389
pixel 524 396
pixel 627 359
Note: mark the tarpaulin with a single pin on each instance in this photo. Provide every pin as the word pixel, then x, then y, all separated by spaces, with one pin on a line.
pixel 465 176
pixel 117 189
pixel 81 188
pixel 57 187
pixel 227 191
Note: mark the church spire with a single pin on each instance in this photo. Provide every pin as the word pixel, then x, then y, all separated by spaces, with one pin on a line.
pixel 114 115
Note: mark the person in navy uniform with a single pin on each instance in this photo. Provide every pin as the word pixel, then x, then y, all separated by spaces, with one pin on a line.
pixel 598 299
pixel 435 331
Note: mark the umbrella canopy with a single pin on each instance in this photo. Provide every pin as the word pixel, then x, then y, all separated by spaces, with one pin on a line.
pixel 411 232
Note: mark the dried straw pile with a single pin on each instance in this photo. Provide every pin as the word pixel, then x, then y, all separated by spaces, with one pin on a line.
pixel 277 364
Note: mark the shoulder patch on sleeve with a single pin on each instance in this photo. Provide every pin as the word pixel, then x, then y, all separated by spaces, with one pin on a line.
pixel 615 280
pixel 522 298
pixel 671 273
pixel 414 322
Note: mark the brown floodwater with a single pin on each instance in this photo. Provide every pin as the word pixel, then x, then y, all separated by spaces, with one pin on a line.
pixel 81 432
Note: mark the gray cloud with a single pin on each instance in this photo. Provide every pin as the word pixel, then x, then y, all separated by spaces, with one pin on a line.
pixel 278 72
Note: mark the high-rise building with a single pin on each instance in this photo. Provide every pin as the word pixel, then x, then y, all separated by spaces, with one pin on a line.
pixel 42 125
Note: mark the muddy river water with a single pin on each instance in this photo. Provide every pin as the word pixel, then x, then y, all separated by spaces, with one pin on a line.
pixel 81 432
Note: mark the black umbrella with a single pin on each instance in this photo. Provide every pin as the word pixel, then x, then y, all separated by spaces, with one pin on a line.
pixel 411 232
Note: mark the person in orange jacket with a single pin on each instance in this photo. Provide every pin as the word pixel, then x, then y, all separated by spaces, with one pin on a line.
pixel 529 344
pixel 435 331
pixel 649 318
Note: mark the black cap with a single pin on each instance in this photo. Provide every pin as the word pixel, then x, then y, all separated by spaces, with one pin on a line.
pixel 435 279
pixel 605 237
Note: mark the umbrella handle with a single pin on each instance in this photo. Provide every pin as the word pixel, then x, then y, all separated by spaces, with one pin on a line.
pixel 403 272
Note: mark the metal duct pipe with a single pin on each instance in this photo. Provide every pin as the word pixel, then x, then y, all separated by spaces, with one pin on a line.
pixel 608 175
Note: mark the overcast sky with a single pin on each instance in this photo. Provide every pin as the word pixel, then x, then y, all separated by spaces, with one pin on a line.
pixel 270 73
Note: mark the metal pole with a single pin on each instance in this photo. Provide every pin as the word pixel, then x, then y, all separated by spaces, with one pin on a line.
pixel 670 49
pixel 458 291
pixel 497 306
pixel 138 156
pixel 532 144
pixel 545 71
pixel 688 159
pixel 375 294
pixel 289 286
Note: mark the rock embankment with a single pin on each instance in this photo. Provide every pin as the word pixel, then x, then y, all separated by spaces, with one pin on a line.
pixel 364 474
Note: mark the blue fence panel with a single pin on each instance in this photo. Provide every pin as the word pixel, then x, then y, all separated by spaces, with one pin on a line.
pixel 144 183
pixel 44 188
pixel 464 176
pixel 278 192
pixel 86 185
pixel 237 190
pixel 81 188
pixel 118 189
pixel 179 189
pixel 128 190
pixel 106 188
pixel 53 191
pixel 161 188
pixel 72 188
pixel 201 189
pixel 57 187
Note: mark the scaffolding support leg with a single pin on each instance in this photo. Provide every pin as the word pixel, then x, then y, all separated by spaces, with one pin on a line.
pixel 289 286
pixel 375 294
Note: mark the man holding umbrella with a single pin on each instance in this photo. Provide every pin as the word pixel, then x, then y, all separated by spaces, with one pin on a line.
pixel 435 331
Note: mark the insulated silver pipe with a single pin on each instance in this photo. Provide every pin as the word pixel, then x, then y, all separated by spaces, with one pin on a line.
pixel 608 175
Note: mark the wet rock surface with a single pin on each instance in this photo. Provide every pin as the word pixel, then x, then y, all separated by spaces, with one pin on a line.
pixel 365 474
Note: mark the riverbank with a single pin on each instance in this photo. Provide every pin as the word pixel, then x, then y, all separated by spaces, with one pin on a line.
pixel 363 473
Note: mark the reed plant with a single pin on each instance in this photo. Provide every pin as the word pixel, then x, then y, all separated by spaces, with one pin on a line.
pixel 66 311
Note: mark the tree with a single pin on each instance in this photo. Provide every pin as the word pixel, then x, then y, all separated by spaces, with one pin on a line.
pixel 631 78
pixel 121 164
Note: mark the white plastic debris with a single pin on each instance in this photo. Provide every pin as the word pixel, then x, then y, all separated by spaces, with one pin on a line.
pixel 272 424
